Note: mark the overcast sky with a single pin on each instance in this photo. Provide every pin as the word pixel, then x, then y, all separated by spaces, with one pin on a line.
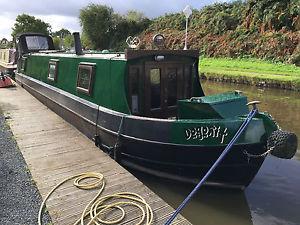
pixel 64 13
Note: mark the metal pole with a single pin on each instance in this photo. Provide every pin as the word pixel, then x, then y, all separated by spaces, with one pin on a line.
pixel 186 28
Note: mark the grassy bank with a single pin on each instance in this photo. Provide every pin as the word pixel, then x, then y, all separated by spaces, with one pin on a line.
pixel 251 71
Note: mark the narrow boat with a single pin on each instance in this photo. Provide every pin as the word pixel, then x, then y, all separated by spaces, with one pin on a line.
pixel 147 110
pixel 5 81
pixel 8 64
pixel 8 61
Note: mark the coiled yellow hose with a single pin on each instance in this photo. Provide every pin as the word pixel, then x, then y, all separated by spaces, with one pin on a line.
pixel 97 206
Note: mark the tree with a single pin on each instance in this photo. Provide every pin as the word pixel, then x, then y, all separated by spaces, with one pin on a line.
pixel 69 41
pixel 106 30
pixel 97 22
pixel 26 23
pixel 62 33
pixel 57 43
pixel 4 43
pixel 128 26
pixel 133 15
pixel 59 38
pixel 86 43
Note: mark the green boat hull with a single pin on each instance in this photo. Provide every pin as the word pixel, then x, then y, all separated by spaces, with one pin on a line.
pixel 181 150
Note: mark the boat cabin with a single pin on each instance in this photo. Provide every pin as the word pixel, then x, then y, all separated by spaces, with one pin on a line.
pixel 145 83
pixel 157 79
pixel 33 42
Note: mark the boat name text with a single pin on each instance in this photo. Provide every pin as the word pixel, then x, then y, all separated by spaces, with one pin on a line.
pixel 202 133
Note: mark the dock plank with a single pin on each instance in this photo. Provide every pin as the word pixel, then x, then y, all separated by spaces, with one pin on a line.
pixel 54 150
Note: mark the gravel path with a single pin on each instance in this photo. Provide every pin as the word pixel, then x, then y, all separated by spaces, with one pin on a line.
pixel 20 199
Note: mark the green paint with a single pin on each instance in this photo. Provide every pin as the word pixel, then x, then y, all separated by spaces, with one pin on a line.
pixel 214 120
pixel 109 81
pixel 219 106
pixel 111 78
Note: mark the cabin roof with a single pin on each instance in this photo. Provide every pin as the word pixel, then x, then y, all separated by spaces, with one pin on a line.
pixel 127 55
pixel 30 34
pixel 113 56
pixel 132 54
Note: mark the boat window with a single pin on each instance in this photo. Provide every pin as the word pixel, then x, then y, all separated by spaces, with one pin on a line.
pixel 37 43
pixel 134 89
pixel 172 86
pixel 85 78
pixel 52 71
pixel 155 80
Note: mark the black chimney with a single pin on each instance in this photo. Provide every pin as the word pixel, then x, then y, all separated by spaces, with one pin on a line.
pixel 77 42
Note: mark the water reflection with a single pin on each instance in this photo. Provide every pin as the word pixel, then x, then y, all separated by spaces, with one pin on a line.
pixel 209 206
pixel 273 196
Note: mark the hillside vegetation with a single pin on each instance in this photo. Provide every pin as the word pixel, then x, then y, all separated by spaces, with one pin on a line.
pixel 265 29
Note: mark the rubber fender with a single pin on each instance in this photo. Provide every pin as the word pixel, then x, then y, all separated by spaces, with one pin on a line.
pixel 97 140
pixel 117 152
pixel 283 144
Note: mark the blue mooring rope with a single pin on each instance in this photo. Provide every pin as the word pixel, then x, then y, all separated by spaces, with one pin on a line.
pixel 113 148
pixel 228 147
pixel 120 127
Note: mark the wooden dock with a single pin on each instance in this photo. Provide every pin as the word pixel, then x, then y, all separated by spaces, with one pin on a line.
pixel 54 150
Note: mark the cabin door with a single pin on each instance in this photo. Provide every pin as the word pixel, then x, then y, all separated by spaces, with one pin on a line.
pixel 162 88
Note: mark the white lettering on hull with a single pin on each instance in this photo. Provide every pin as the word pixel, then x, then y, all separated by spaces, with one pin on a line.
pixel 202 133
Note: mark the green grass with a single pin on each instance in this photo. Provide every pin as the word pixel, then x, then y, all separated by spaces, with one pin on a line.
pixel 251 71
pixel 251 75
pixel 17 149
pixel 247 65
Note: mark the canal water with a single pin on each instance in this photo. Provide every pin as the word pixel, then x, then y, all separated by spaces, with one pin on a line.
pixel 273 197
